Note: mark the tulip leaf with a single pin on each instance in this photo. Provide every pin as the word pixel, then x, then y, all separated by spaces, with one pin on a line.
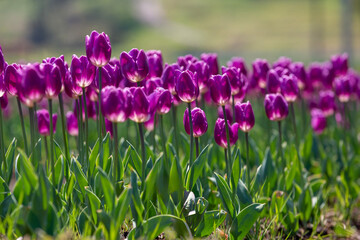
pixel 27 170
pixel 243 194
pixel 211 220
pixel 122 207
pixel 135 160
pixel 93 157
pixel 236 168
pixel 4 189
pixel 225 195
pixel 154 226
pixel 244 221
pixel 266 173
pixel 151 181
pixel 80 176
pixel 10 158
pixel 176 188
pixel 106 153
pixel 197 168
pixel 136 205
pixel 94 203
pixel 108 189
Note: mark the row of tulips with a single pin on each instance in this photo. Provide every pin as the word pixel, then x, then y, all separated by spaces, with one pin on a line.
pixel 138 86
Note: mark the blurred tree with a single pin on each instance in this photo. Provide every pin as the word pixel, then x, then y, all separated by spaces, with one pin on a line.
pixel 38 30
pixel 317 23
pixel 347 27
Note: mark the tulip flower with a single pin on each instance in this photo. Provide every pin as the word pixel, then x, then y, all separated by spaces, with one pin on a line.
pixel 185 61
pixel 151 84
pixel 98 48
pixel 72 89
pixel 169 78
pixel 327 102
pixel 140 111
pixel 52 79
pixel 3 99
pixel 238 63
pixel 289 87
pixel 220 89
pixel 32 86
pixel 115 104
pixel 2 85
pixel 72 124
pixel 202 71
pixel 283 62
pixel 161 100
pixel 318 121
pixel 82 71
pixel 2 61
pixel 200 124
pixel 43 117
pixel 260 70
pixel 186 86
pixel 273 82
pixel 342 88
pixel 211 60
pixel 298 69
pixel 235 78
pixel 244 116
pixel 155 63
pixel 276 107
pixel 340 64
pixel 316 74
pixel 134 65
pixel 109 128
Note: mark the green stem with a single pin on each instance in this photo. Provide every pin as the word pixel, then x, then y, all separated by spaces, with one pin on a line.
pixel 143 155
pixel 63 125
pixel 154 135
pixel 32 127
pixel 79 113
pixel 228 145
pixel 22 125
pixel 163 141
pixel 197 147
pixel 47 153
pixel 233 107
pixel 52 161
pixel 247 159
pixel 116 153
pixel 280 147
pixel 297 143
pixel 86 130
pixel 191 144
pixel 175 128
pixel 2 142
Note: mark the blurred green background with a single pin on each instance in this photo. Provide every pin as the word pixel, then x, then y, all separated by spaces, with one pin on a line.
pixel 304 30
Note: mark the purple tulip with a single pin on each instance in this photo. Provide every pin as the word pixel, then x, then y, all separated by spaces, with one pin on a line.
pixel 115 104
pixel 109 127
pixel 12 78
pixel 289 87
pixel 220 89
pixel 276 107
pixel 92 94
pixel 169 78
pixel 273 82
pixel 52 79
pixel 185 61
pixel 62 65
pixel 236 79
pixel 202 71
pixel 238 63
pixel 220 133
pixel 211 60
pixel 316 74
pixel 141 109
pixel 44 122
pixel 244 116
pixel 298 69
pixel 32 85
pixel 186 86
pixel 161 100
pixel 150 124
pixel 318 121
pixel 327 102
pixel 283 62
pixel 199 122
pixel 2 85
pixel 2 61
pixel 229 113
pixel 151 84
pixel 98 48
pixel 342 88
pixel 260 70
pixel 72 124
pixel 72 89
pixel 110 76
pixel 155 63
pixel 82 71
pixel 134 65
pixel 340 64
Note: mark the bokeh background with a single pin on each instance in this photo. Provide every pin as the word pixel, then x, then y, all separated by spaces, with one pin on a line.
pixel 305 30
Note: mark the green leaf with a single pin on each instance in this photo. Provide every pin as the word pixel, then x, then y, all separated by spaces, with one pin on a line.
pixel 94 203
pixel 108 189
pixel 211 221
pixel 197 167
pixel 27 170
pixel 176 188
pixel 122 207
pixel 266 173
pixel 10 157
pixel 80 176
pixel 245 220
pixel 225 195
pixel 236 168
pixel 135 160
pixel 136 205
pixel 151 181
pixel 243 194
pixel 305 204
pixel 94 157
pixel 4 189
pixel 154 226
